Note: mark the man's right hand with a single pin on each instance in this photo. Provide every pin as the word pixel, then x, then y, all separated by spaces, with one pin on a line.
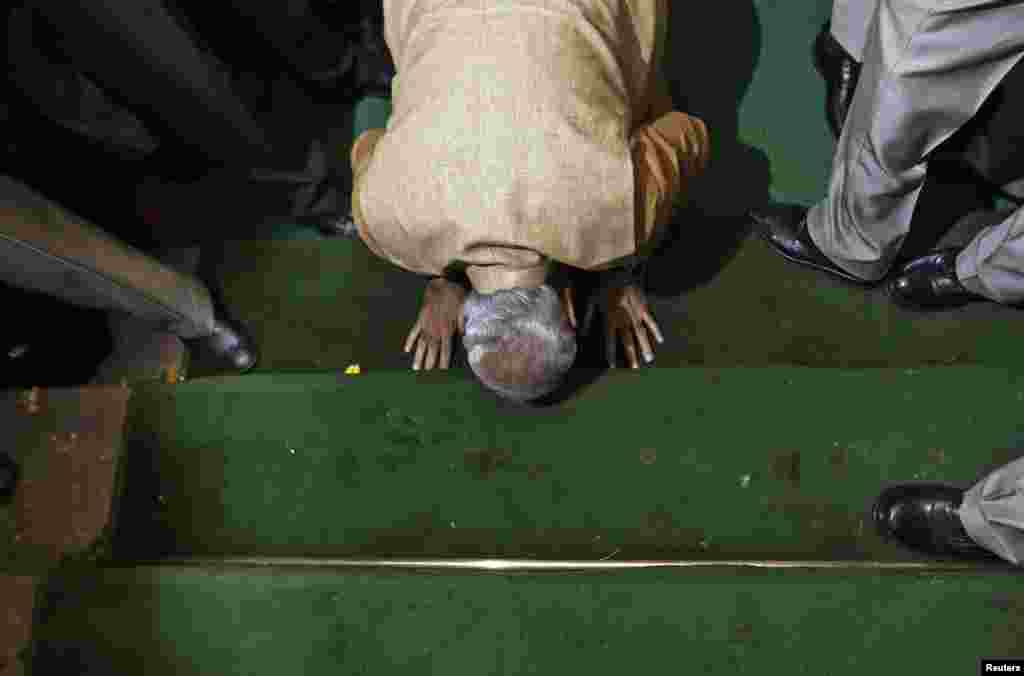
pixel 440 319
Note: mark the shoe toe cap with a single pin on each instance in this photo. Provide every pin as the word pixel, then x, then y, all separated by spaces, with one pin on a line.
pixel 231 346
pixel 901 286
pixel 243 359
pixel 910 507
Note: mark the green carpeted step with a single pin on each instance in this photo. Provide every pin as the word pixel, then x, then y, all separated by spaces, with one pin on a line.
pixel 777 463
pixel 328 304
pixel 228 621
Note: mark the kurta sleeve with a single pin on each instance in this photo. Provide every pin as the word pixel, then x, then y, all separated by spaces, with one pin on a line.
pixel 667 155
pixel 362 152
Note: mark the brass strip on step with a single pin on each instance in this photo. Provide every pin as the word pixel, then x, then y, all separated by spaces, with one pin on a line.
pixel 536 565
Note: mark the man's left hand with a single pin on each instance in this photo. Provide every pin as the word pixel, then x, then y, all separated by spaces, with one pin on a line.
pixel 628 318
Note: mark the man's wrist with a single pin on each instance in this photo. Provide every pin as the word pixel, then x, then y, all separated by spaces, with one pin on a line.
pixel 629 274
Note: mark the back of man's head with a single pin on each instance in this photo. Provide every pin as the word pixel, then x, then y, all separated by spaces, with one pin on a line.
pixel 519 341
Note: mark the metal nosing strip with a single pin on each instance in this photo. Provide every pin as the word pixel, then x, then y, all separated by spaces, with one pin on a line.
pixel 537 565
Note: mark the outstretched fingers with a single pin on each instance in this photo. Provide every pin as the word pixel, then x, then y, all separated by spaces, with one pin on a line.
pixel 645 342
pixel 432 350
pixel 421 348
pixel 648 320
pixel 570 307
pixel 446 352
pixel 629 346
pixel 412 337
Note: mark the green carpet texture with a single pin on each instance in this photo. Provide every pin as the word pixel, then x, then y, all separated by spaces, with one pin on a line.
pixel 710 465
pixel 174 621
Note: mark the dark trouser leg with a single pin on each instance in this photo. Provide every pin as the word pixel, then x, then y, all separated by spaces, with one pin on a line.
pixel 139 52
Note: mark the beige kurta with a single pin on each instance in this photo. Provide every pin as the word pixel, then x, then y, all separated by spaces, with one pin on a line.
pixel 524 131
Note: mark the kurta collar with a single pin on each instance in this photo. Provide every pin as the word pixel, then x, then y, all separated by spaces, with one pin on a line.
pixel 491 278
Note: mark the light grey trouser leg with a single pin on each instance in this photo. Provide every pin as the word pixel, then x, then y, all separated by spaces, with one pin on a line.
pixel 993 512
pixel 928 66
pixel 850 22
pixel 992 265
pixel 47 249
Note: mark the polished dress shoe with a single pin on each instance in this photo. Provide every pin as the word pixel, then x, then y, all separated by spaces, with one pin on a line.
pixel 923 517
pixel 784 228
pixel 930 283
pixel 841 72
pixel 229 345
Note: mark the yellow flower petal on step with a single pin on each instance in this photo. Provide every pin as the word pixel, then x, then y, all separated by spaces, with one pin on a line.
pixel 352 370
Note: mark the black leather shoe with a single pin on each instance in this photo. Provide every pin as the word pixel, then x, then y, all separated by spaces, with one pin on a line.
pixel 229 344
pixel 8 478
pixel 784 227
pixel 923 517
pixel 841 72
pixel 930 283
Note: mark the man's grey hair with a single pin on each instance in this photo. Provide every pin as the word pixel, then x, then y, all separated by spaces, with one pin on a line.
pixel 518 341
